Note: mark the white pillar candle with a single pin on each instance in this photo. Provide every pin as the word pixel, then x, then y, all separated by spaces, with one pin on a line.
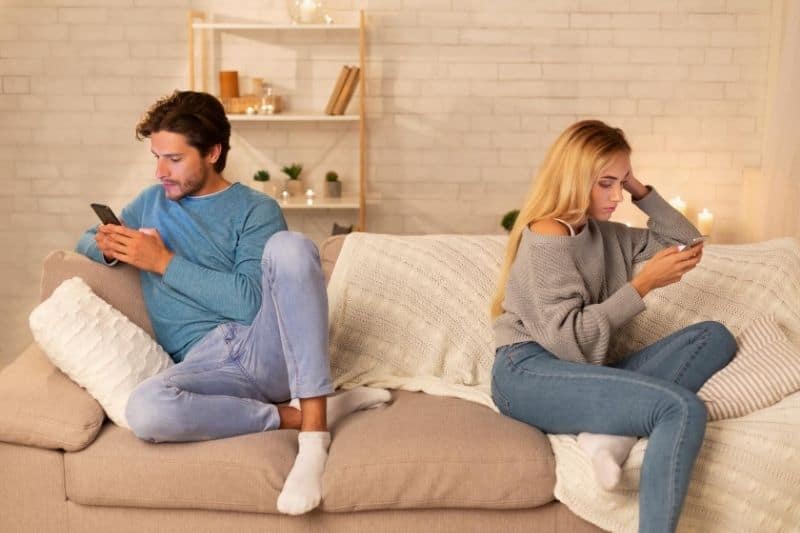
pixel 308 11
pixel 679 205
pixel 705 222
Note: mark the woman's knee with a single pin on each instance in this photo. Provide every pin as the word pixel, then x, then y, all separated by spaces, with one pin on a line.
pixel 722 339
pixel 683 405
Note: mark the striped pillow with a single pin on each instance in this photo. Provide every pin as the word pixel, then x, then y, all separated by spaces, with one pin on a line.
pixel 765 370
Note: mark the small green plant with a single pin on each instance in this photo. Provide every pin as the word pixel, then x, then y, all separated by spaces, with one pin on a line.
pixel 261 175
pixel 293 171
pixel 331 176
pixel 509 219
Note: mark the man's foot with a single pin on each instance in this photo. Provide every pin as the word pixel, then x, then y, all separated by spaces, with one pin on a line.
pixel 302 490
pixel 350 401
pixel 608 453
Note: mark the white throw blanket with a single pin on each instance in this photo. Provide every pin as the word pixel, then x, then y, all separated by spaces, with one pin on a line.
pixel 412 313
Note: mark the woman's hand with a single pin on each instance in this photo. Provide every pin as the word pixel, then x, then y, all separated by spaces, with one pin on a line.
pixel 635 187
pixel 666 267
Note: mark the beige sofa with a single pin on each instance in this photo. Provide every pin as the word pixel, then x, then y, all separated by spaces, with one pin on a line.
pixel 421 463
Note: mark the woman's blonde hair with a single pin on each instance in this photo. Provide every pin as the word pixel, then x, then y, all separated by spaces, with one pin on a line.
pixel 563 186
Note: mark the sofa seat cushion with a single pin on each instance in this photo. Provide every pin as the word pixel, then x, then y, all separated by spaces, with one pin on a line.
pixel 40 406
pixel 244 473
pixel 424 451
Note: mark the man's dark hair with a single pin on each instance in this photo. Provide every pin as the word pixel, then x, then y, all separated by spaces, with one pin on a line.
pixel 199 117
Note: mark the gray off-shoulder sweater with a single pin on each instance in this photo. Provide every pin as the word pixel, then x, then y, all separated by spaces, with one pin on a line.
pixel 570 293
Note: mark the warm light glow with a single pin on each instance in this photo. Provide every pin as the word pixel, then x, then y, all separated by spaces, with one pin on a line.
pixel 705 222
pixel 679 205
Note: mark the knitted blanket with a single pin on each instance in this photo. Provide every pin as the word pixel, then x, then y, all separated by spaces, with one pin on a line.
pixel 412 313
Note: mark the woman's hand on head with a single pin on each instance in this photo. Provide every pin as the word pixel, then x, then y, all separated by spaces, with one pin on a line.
pixel 635 187
pixel 666 267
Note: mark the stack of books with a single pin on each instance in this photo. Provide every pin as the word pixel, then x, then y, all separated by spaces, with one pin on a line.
pixel 343 91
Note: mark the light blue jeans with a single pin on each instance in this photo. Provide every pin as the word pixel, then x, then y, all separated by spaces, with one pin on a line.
pixel 230 381
pixel 651 393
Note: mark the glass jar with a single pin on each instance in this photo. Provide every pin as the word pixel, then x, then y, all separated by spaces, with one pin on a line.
pixel 305 11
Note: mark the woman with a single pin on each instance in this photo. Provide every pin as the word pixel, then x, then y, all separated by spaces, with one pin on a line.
pixel 567 285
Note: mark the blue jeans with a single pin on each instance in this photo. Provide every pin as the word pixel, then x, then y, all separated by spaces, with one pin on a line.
pixel 230 381
pixel 651 393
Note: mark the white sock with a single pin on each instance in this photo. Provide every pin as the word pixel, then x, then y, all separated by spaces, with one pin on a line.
pixel 302 490
pixel 350 401
pixel 608 453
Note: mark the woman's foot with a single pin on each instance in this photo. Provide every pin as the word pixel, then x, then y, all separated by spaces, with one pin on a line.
pixel 608 453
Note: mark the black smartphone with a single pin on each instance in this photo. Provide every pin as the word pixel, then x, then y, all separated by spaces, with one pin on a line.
pixel 106 215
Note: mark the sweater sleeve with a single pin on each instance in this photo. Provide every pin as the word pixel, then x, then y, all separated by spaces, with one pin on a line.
pixel 235 295
pixel 665 227
pixel 559 307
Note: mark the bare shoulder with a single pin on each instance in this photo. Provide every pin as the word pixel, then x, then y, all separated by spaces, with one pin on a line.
pixel 548 226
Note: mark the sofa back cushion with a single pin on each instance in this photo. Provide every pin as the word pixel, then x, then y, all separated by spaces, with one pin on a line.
pixel 329 252
pixel 118 285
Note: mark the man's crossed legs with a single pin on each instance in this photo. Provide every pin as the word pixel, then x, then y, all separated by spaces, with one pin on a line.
pixel 231 380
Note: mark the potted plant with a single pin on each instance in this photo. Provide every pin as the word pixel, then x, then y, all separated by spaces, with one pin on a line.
pixel 270 188
pixel 509 219
pixel 293 184
pixel 333 187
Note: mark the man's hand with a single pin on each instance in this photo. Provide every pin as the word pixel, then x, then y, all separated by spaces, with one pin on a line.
pixel 142 248
pixel 101 238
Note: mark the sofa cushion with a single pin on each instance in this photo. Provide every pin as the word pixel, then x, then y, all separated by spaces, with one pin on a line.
pixel 425 451
pixel 419 452
pixel 244 473
pixel 40 406
pixel 96 346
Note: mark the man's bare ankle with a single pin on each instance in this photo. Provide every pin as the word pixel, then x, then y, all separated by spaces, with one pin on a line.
pixel 291 418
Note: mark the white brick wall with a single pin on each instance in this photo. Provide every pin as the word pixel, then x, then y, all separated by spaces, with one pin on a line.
pixel 464 96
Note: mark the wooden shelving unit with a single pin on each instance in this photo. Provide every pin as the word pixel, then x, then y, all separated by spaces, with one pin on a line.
pixel 197 24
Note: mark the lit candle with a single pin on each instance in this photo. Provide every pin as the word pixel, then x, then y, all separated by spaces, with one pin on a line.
pixel 705 222
pixel 310 197
pixel 285 196
pixel 679 205
pixel 308 11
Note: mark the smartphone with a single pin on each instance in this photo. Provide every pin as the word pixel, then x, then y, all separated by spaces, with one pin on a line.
pixel 106 215
pixel 692 244
pixel 695 242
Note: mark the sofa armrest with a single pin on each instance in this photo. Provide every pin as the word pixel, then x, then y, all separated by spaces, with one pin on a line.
pixel 118 285
pixel 42 407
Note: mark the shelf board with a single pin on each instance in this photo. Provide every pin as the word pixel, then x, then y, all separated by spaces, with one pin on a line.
pixel 346 202
pixel 292 117
pixel 270 26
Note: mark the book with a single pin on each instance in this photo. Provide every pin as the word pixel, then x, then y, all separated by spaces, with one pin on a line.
pixel 347 91
pixel 337 89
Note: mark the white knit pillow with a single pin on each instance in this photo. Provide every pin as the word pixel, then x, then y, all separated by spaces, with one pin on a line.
pixel 98 347
pixel 764 371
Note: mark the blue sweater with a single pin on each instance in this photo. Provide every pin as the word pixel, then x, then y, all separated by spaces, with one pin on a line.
pixel 215 275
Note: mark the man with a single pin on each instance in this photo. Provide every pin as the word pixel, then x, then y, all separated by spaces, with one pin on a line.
pixel 235 299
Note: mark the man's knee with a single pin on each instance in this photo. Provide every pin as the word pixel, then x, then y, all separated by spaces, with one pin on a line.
pixel 292 250
pixel 145 411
